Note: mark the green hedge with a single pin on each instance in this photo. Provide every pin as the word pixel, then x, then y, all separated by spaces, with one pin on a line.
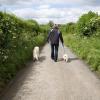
pixel 71 28
pixel 85 41
pixel 17 39
pixel 86 24
pixel 86 48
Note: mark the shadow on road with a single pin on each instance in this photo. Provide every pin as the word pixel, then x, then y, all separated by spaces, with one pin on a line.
pixel 18 81
pixel 42 58
pixel 60 59
pixel 69 60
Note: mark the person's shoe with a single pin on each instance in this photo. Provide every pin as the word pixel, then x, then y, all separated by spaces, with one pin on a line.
pixel 52 58
pixel 55 60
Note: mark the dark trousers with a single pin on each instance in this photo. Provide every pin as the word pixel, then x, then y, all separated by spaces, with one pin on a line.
pixel 54 51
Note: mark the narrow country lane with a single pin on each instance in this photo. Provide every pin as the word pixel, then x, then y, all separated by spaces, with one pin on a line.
pixel 47 80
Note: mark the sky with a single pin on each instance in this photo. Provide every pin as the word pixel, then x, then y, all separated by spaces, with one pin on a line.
pixel 43 11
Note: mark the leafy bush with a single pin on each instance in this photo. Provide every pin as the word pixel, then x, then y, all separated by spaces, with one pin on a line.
pixel 84 21
pixel 17 39
pixel 86 40
pixel 71 28
pixel 92 26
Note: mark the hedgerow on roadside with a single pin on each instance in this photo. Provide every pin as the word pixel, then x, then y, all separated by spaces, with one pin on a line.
pixel 17 39
pixel 85 39
pixel 87 49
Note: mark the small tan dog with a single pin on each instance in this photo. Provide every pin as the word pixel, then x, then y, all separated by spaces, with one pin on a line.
pixel 36 52
pixel 65 57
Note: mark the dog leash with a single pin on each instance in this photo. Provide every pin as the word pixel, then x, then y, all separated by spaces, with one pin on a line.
pixel 64 49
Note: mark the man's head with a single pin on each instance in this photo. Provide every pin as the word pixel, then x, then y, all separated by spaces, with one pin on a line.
pixel 56 26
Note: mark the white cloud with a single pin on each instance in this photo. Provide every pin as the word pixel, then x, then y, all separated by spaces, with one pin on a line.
pixel 43 2
pixel 44 13
pixel 45 10
pixel 61 15
pixel 44 7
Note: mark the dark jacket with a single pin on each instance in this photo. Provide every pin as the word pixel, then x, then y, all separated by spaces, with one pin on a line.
pixel 54 36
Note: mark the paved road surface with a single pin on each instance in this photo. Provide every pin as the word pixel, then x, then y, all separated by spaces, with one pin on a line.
pixel 47 80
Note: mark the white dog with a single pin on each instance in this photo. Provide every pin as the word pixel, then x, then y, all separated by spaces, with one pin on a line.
pixel 65 57
pixel 36 53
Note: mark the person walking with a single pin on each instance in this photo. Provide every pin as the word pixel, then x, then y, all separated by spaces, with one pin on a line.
pixel 53 37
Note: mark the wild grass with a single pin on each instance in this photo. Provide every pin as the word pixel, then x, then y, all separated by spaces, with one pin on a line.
pixel 87 48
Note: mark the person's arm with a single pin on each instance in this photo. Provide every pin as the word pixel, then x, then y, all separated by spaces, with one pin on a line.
pixel 61 38
pixel 48 36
